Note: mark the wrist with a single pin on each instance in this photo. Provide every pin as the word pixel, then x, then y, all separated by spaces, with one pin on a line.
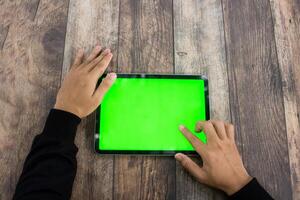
pixel 238 184
pixel 58 106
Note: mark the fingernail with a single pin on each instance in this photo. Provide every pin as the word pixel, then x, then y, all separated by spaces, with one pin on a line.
pixel 112 76
pixel 181 127
pixel 106 51
pixel 178 157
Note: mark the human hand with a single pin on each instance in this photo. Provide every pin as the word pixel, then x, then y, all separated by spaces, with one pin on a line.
pixel 222 165
pixel 78 93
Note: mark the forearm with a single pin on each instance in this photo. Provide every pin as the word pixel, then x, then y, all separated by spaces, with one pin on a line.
pixel 253 190
pixel 50 167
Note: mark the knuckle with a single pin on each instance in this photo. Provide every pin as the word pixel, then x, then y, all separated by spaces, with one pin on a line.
pixel 93 63
pixel 185 163
pixel 197 148
pixel 219 145
pixel 227 142
pixel 106 83
pixel 199 179
pixel 231 128
pixel 219 122
pixel 194 140
pixel 199 124
pixel 80 66
pixel 230 125
pixel 99 58
pixel 212 120
pixel 100 69
pixel 207 124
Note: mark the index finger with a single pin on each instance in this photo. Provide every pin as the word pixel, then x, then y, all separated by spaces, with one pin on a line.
pixel 195 142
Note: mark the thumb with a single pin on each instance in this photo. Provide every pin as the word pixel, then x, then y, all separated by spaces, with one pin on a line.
pixel 104 86
pixel 188 164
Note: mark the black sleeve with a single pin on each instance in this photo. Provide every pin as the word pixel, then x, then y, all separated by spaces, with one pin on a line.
pixel 50 167
pixel 253 190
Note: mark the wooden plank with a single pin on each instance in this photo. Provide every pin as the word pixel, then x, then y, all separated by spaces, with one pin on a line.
pixel 200 49
pixel 89 23
pixel 145 45
pixel 286 16
pixel 31 52
pixel 256 93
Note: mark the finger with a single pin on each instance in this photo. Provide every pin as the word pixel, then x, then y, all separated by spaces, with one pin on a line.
pixel 78 58
pixel 98 59
pixel 196 143
pixel 198 127
pixel 99 69
pixel 95 52
pixel 188 164
pixel 229 130
pixel 208 129
pixel 104 86
pixel 220 129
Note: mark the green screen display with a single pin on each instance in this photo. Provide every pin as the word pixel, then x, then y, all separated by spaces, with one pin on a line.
pixel 144 114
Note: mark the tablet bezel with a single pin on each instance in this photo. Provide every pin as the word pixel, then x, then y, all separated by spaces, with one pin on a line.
pixel 149 152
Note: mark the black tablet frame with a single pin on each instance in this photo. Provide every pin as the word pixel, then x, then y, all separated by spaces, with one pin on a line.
pixel 149 152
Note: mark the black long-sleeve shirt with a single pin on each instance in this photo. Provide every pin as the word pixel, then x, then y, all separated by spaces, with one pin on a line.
pixel 50 167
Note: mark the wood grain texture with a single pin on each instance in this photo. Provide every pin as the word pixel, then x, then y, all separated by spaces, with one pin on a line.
pixel 263 84
pixel 145 45
pixel 3 34
pixel 256 93
pixel 89 23
pixel 32 37
pixel 146 37
pixel 200 49
pixel 286 17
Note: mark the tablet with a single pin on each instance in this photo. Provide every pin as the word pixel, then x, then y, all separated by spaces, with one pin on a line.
pixel 141 113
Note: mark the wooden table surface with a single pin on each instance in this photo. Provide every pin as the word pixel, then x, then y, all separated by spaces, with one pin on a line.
pixel 249 49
